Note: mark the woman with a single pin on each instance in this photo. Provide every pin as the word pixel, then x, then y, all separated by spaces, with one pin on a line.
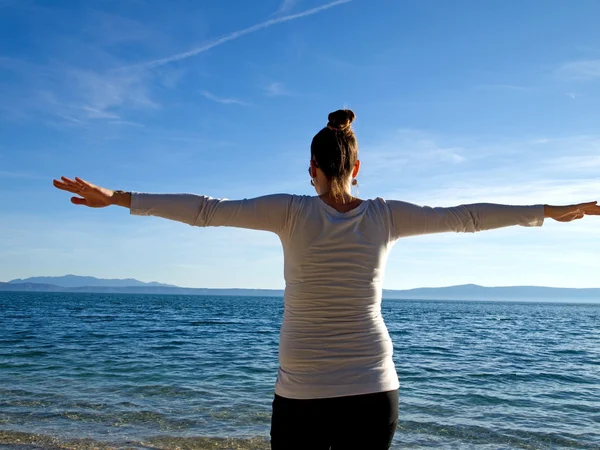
pixel 337 386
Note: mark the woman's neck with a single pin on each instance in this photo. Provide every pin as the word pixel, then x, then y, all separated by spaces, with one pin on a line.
pixel 345 199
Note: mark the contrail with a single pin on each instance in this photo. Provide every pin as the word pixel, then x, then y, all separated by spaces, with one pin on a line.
pixel 240 33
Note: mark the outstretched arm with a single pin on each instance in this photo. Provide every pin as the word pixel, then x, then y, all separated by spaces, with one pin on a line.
pixel 409 219
pixel 268 213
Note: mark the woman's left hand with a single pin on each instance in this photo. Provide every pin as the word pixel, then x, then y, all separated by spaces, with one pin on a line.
pixel 571 212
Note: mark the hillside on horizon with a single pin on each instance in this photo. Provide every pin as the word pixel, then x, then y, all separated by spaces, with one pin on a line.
pixel 79 281
pixel 85 284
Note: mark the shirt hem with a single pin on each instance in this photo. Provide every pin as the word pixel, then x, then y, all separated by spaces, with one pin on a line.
pixel 340 391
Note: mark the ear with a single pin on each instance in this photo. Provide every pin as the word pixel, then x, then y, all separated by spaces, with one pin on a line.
pixel 356 169
pixel 313 169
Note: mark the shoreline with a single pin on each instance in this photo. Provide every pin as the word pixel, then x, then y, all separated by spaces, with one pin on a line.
pixel 18 440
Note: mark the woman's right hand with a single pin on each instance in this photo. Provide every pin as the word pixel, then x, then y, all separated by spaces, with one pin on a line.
pixel 89 194
pixel 572 212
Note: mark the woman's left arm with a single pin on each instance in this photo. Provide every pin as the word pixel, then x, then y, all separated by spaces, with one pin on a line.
pixel 409 219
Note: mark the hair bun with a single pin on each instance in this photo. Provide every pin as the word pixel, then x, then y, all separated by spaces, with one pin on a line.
pixel 341 119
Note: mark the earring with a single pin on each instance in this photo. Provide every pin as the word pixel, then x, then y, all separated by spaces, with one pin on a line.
pixel 312 182
pixel 354 182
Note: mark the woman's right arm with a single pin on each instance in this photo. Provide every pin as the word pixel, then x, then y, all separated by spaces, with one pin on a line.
pixel 269 213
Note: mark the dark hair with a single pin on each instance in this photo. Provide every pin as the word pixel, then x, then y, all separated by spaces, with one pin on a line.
pixel 335 150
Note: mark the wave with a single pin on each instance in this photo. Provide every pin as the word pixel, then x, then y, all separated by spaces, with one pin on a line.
pixel 473 436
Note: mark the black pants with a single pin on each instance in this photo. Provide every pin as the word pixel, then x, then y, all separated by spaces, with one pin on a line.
pixel 365 422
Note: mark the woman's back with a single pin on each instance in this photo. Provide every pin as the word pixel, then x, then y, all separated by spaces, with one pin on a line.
pixel 333 339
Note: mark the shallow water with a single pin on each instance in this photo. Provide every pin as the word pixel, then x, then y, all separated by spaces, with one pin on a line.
pixel 140 371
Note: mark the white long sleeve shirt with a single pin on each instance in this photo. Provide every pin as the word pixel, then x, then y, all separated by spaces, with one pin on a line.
pixel 333 340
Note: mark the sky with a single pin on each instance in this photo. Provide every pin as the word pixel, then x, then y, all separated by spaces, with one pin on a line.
pixel 456 102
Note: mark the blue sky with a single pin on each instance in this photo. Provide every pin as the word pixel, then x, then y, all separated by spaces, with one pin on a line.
pixel 456 102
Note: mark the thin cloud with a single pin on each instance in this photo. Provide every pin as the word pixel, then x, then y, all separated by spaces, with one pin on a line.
pixel 567 156
pixel 285 6
pixel 68 94
pixel 276 89
pixel 580 163
pixel 498 189
pixel 127 123
pixel 111 29
pixel 223 100
pixel 75 95
pixel 581 70
pixel 503 87
pixel 100 92
pixel 428 169
pixel 94 113
pixel 412 150
pixel 20 175
pixel 240 33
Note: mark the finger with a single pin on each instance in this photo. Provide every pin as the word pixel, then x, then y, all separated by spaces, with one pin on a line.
pixel 83 182
pixel 64 186
pixel 590 211
pixel 58 184
pixel 67 180
pixel 70 183
pixel 586 205
pixel 591 207
pixel 78 201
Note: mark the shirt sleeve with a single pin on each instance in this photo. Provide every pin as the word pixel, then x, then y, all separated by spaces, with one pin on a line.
pixel 269 213
pixel 409 219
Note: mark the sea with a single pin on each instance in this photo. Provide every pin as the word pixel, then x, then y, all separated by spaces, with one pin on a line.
pixel 83 371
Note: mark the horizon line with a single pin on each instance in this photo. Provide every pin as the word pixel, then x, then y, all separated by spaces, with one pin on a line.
pixel 173 286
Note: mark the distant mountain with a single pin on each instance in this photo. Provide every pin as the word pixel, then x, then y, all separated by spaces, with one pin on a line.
pixel 463 292
pixel 513 293
pixel 78 281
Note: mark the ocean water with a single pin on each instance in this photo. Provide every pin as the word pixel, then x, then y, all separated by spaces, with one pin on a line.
pixel 192 372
